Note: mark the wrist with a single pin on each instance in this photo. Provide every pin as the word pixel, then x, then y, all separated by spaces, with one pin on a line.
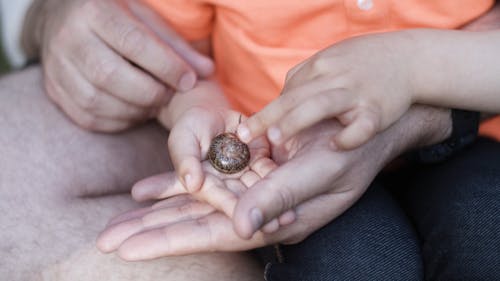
pixel 464 132
pixel 419 127
pixel 206 95
pixel 427 65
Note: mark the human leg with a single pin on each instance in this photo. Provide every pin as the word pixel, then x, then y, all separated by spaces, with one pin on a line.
pixel 455 207
pixel 373 240
pixel 59 185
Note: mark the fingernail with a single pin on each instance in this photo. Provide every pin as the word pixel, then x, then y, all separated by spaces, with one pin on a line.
pixel 256 219
pixel 186 82
pixel 243 133
pixel 274 135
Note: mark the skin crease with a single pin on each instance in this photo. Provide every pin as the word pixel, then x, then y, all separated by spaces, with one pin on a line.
pixel 120 69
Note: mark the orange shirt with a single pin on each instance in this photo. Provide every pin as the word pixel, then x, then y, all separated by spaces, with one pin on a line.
pixel 255 42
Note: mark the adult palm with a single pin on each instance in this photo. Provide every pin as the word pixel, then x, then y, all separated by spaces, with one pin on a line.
pixel 308 175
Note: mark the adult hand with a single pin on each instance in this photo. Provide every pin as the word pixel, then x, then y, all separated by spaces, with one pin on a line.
pixel 319 182
pixel 183 225
pixel 111 64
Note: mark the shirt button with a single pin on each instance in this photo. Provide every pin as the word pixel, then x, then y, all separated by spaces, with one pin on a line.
pixel 365 5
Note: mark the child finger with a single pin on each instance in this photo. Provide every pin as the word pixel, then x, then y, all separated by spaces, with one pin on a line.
pixel 271 226
pixel 357 133
pixel 324 105
pixel 185 155
pixel 218 194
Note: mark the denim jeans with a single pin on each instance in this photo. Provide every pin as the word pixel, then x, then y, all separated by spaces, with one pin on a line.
pixel 429 222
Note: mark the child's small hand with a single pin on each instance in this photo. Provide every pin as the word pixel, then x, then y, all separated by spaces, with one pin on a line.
pixel 364 82
pixel 210 190
pixel 192 131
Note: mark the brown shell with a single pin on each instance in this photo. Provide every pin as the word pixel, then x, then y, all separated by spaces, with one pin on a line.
pixel 228 154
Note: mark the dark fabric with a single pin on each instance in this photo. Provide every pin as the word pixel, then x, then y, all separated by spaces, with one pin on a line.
pixel 456 210
pixel 444 225
pixel 373 240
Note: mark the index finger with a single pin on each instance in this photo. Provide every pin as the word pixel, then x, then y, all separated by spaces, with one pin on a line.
pixel 126 35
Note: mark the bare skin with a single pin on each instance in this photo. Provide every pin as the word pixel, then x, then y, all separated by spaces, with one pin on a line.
pixel 60 185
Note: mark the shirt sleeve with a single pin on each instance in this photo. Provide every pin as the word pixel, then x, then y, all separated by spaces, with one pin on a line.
pixel 12 14
pixel 192 19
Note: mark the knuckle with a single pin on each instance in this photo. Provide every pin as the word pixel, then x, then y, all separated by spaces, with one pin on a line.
pixel 172 70
pixel 132 41
pixel 290 74
pixel 103 72
pixel 369 124
pixel 185 209
pixel 287 102
pixel 284 199
pixel 155 96
pixel 260 121
pixel 89 101
pixel 318 65
pixel 210 235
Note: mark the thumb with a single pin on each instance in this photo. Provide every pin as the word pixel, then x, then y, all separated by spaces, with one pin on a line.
pixel 185 154
pixel 279 192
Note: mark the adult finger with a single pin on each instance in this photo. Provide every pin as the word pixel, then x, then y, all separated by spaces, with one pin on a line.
pixel 158 187
pixel 278 192
pixel 115 234
pixel 315 109
pixel 96 101
pixel 111 73
pixel 203 65
pixel 207 234
pixel 83 118
pixel 119 29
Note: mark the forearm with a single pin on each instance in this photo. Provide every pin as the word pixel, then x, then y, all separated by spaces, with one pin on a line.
pixel 420 126
pixel 456 69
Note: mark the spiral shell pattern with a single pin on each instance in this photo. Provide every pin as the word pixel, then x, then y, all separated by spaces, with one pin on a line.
pixel 228 154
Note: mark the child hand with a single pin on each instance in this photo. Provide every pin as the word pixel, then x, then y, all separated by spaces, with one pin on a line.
pixel 364 82
pixel 189 141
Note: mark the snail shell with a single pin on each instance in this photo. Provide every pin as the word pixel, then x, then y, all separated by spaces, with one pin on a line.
pixel 228 154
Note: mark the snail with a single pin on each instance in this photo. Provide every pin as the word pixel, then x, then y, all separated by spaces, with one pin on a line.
pixel 228 154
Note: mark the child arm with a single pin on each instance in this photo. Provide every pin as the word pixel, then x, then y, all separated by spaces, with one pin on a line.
pixel 368 82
